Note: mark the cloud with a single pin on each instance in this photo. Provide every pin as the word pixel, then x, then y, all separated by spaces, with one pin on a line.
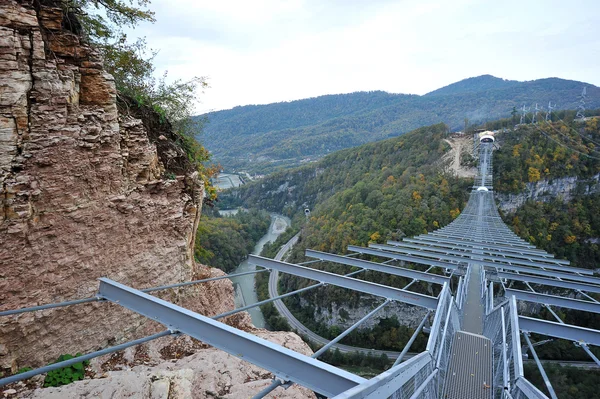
pixel 272 50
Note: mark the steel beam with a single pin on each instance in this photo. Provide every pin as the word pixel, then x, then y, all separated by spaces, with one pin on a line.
pixel 480 257
pixel 395 270
pixel 545 299
pixel 284 363
pixel 497 246
pixel 558 330
pixel 547 273
pixel 530 391
pixel 516 338
pixel 498 265
pixel 550 282
pixel 449 248
pixel 412 259
pixel 540 368
pixel 396 294
pixel 479 242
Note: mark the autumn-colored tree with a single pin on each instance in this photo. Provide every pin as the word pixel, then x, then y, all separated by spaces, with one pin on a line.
pixel 533 174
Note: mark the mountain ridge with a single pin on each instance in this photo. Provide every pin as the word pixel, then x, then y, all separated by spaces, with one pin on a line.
pixel 263 138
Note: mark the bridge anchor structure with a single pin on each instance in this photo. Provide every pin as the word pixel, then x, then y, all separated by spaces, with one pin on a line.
pixel 481 272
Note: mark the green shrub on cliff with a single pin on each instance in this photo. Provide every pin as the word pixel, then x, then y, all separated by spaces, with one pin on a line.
pixel 131 65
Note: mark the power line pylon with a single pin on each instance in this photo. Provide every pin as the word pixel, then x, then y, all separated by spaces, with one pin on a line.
pixel 535 114
pixel 523 113
pixel 581 109
pixel 549 113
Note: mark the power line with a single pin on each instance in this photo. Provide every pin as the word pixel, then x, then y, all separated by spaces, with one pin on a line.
pixel 563 144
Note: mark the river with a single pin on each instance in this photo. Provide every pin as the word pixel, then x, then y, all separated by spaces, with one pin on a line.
pixel 245 290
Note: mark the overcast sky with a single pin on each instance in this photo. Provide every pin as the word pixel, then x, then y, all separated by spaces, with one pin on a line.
pixel 263 51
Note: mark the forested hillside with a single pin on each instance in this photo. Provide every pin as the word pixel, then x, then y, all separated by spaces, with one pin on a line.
pixel 541 153
pixel 263 138
pixel 224 242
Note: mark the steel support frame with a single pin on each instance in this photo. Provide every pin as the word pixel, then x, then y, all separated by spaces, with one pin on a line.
pixel 484 245
pixel 550 282
pixel 554 300
pixel 547 273
pixel 540 367
pixel 411 259
pixel 470 257
pixel 283 362
pixel 394 270
pixel 558 330
pixel 453 249
pixel 530 391
pixel 396 294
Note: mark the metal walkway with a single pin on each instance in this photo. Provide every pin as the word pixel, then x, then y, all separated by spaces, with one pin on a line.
pixel 474 349
pixel 470 371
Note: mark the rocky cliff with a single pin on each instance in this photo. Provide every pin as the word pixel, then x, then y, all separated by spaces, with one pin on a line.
pixel 84 193
pixel 546 190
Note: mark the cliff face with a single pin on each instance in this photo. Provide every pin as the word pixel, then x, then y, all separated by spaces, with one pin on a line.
pixel 545 190
pixel 83 194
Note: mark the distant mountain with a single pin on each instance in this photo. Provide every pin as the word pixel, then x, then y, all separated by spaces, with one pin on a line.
pixel 474 85
pixel 262 138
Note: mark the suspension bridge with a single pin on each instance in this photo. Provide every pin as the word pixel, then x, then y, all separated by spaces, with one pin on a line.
pixel 482 273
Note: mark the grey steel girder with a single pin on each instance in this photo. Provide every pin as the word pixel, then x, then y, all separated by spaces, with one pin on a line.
pixel 439 247
pixel 500 264
pixel 530 391
pixel 395 270
pixel 558 330
pixel 480 240
pixel 396 294
pixel 550 282
pixel 480 257
pixel 496 246
pixel 549 273
pixel 283 362
pixel 405 258
pixel 569 303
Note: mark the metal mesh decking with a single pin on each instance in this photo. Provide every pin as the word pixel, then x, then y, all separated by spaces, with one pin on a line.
pixel 470 373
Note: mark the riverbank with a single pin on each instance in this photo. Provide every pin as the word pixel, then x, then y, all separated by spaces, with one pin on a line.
pixel 245 289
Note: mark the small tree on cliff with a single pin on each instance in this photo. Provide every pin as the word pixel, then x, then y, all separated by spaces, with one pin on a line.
pixel 131 64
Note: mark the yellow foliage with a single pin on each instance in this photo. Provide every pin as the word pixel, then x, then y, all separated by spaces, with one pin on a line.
pixel 553 226
pixel 375 237
pixel 533 174
pixel 454 213
pixel 416 196
pixel 516 149
pixel 436 224
pixel 570 239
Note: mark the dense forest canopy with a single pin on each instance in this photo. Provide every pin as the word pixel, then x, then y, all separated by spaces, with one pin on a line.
pixel 263 138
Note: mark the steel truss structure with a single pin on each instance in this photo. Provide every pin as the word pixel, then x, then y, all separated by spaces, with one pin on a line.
pixel 471 254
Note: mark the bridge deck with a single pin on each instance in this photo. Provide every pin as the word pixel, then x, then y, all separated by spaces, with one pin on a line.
pixel 473 308
pixel 470 370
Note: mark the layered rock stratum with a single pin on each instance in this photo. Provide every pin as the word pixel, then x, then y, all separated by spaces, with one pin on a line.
pixel 89 190
pixel 84 193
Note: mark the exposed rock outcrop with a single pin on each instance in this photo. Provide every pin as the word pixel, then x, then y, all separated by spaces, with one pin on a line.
pixel 344 316
pixel 83 194
pixel 546 190
pixel 207 374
